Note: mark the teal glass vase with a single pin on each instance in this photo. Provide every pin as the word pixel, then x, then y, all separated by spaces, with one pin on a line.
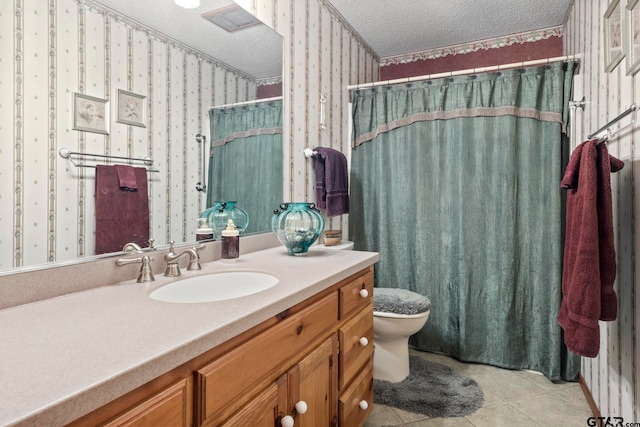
pixel 297 226
pixel 218 214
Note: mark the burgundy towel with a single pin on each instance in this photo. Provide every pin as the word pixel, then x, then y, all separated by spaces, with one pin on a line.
pixel 126 178
pixel 589 253
pixel 332 181
pixel 121 216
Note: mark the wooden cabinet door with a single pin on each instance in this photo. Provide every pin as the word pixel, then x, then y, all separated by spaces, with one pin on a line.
pixel 264 409
pixel 314 380
pixel 223 383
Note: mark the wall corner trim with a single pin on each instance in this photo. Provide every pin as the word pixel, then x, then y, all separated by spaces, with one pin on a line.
pixel 590 400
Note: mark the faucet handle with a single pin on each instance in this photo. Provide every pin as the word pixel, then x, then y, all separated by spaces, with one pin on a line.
pixel 171 243
pixel 146 274
pixel 194 262
pixel 125 261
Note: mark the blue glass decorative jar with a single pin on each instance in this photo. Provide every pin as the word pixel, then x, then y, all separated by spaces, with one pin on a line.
pixel 297 226
pixel 220 212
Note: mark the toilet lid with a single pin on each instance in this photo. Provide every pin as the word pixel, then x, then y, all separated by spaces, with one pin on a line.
pixel 399 301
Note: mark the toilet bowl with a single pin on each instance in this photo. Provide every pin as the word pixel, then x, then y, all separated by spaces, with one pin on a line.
pixel 397 314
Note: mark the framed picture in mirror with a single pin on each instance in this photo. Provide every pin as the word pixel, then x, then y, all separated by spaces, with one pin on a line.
pixel 613 51
pixel 90 114
pixel 632 36
pixel 131 108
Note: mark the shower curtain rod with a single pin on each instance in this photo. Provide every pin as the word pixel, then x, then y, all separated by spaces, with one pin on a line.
pixel 253 101
pixel 463 72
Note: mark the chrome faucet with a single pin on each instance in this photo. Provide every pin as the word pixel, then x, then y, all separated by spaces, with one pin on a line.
pixel 145 270
pixel 172 258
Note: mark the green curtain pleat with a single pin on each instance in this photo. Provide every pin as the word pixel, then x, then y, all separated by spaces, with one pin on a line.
pixel 248 168
pixel 468 212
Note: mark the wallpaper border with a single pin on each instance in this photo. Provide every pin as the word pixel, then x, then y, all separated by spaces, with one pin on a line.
pixel 494 43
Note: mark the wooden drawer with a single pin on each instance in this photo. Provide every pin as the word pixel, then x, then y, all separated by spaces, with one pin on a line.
pixel 353 355
pixel 225 379
pixel 350 298
pixel 172 406
pixel 350 413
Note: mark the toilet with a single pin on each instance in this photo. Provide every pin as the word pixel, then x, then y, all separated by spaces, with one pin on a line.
pixel 397 314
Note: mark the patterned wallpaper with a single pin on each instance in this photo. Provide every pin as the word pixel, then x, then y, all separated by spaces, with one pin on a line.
pixel 323 54
pixel 612 377
pixel 59 47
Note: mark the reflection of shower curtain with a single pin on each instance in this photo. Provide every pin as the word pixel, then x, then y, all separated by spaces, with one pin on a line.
pixel 245 161
pixel 458 188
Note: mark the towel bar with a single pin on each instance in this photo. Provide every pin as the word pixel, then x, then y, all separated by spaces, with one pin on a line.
pixel 65 153
pixel 610 135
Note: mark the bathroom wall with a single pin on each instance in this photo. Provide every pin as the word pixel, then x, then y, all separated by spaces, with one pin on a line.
pixel 612 377
pixel 323 54
pixel 67 46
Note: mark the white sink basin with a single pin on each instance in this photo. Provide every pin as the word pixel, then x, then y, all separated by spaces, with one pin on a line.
pixel 215 287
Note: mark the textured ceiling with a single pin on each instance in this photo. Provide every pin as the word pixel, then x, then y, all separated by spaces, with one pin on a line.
pixel 396 27
pixel 389 27
pixel 256 51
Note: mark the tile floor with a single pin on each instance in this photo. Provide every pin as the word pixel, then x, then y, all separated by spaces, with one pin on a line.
pixel 511 398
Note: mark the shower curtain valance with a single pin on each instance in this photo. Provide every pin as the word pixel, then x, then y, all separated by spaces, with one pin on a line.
pixel 228 124
pixel 534 92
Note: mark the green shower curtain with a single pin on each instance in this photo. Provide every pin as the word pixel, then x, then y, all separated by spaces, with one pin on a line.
pixel 456 183
pixel 245 162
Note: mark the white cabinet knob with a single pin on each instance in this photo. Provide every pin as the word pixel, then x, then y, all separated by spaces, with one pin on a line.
pixel 286 421
pixel 301 407
pixel 363 405
pixel 364 293
pixel 363 341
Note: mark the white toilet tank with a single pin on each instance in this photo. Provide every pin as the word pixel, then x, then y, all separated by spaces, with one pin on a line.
pixel 344 245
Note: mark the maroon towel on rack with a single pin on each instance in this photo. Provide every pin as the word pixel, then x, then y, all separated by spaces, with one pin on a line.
pixel 126 177
pixel 332 181
pixel 589 253
pixel 121 216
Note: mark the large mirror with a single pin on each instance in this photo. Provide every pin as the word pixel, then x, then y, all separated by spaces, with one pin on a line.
pixel 176 63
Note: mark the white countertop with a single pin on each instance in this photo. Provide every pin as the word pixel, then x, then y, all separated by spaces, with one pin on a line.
pixel 63 357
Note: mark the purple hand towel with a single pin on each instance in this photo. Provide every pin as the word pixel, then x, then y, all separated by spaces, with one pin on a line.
pixel 121 216
pixel 332 181
pixel 126 178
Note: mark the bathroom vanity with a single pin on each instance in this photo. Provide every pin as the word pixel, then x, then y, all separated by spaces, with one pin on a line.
pixel 300 350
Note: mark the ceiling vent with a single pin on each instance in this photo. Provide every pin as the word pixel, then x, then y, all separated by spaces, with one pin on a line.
pixel 231 18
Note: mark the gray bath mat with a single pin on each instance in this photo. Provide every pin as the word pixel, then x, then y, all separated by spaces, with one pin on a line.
pixel 432 389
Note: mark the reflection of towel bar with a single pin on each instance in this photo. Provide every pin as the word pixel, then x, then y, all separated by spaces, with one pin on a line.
pixel 202 185
pixel 65 153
